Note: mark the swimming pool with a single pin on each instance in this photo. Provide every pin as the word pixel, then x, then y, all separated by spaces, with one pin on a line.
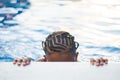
pixel 96 26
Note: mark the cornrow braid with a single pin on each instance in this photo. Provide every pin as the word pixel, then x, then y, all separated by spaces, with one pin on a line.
pixel 59 42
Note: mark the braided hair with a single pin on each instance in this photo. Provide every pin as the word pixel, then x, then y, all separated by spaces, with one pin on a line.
pixel 60 42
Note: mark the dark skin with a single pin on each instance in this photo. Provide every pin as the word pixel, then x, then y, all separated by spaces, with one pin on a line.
pixel 62 57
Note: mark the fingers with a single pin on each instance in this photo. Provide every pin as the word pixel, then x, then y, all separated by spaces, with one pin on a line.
pixel 92 61
pixel 98 62
pixel 15 61
pixel 22 62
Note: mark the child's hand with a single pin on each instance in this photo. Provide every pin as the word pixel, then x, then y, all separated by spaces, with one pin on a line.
pixel 98 62
pixel 22 61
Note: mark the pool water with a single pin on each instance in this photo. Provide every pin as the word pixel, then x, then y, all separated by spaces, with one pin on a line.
pixel 94 23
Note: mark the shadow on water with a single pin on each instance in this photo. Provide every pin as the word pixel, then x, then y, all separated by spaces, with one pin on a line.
pixel 9 9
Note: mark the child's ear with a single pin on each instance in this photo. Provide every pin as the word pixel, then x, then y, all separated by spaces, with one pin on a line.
pixel 45 57
pixel 76 56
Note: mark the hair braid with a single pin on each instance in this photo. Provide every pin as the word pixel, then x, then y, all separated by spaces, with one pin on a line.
pixel 59 42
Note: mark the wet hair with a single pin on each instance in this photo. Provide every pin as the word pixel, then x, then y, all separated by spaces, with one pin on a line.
pixel 60 42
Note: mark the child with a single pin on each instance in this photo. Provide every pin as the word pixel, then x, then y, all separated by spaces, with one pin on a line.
pixel 61 47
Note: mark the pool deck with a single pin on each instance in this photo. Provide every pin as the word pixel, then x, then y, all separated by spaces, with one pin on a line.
pixel 59 71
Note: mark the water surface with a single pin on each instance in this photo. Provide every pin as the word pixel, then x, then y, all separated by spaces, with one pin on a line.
pixel 96 26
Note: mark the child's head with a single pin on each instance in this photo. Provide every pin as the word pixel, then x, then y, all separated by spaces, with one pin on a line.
pixel 60 46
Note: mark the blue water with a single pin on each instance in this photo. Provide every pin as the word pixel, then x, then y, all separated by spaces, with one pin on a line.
pixel 96 26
